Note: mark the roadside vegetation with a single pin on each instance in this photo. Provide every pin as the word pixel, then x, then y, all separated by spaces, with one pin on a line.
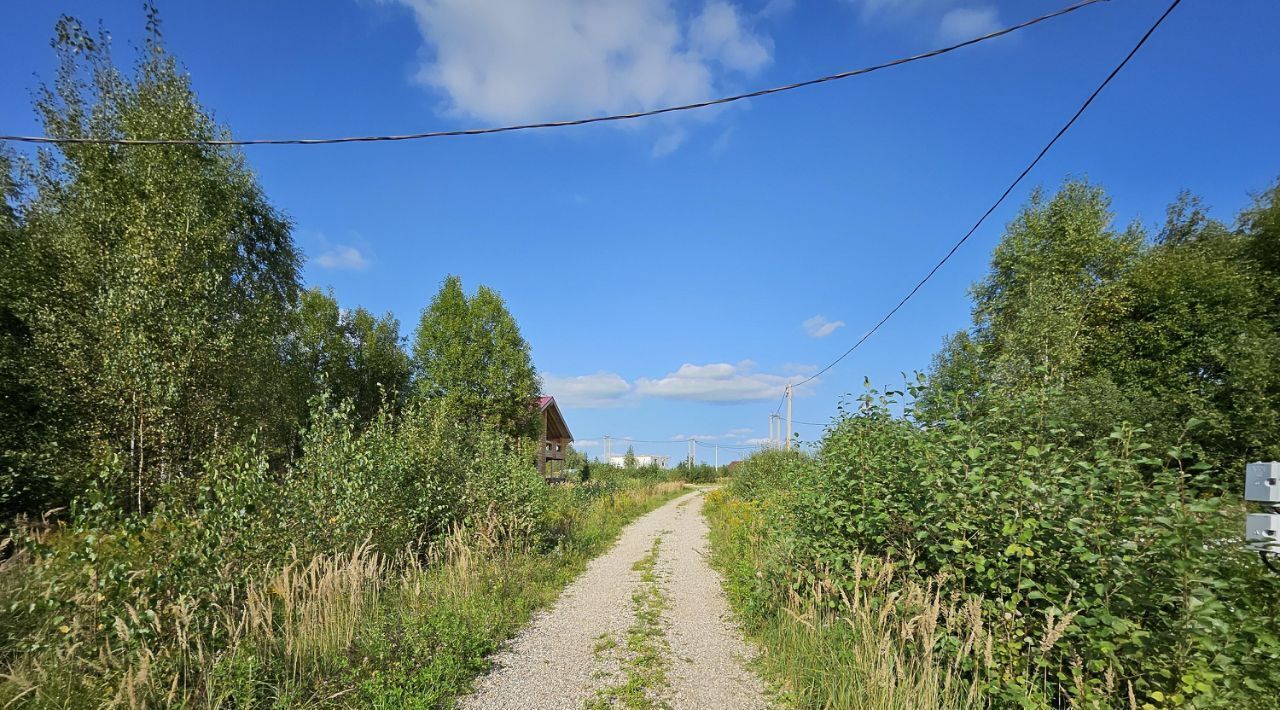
pixel 1052 518
pixel 645 664
pixel 219 488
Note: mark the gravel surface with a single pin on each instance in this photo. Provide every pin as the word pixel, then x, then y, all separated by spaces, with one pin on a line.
pixel 555 662
pixel 708 652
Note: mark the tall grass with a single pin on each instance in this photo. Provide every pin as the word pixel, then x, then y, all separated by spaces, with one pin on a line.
pixel 312 610
pixel 868 642
pixel 851 653
pixel 358 628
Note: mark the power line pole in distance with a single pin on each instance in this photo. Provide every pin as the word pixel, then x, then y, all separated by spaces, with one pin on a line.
pixel 789 417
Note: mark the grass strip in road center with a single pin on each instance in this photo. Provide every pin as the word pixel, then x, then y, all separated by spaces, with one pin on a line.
pixel 647 648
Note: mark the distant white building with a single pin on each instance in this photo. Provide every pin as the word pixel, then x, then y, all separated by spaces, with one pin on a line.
pixel 641 460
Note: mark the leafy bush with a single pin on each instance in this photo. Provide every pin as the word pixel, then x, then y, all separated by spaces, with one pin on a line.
pixel 831 648
pixel 106 595
pixel 1104 570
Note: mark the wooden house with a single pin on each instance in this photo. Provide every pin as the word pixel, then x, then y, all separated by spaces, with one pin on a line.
pixel 555 440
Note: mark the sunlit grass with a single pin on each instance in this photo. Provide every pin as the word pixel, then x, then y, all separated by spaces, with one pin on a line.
pixel 867 643
pixel 354 629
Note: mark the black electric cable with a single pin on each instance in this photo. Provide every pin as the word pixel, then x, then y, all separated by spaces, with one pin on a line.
pixel 1018 180
pixel 551 124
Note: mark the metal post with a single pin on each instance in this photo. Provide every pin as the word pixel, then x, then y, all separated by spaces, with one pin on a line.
pixel 789 429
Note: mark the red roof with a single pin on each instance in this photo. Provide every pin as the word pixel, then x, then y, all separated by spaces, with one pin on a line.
pixel 555 418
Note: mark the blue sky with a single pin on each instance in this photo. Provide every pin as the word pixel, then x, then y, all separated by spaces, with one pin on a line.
pixel 672 274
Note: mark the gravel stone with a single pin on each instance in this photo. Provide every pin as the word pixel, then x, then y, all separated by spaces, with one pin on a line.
pixel 707 650
pixel 553 663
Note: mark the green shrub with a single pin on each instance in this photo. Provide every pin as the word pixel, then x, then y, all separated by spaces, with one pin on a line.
pixel 113 604
pixel 1140 564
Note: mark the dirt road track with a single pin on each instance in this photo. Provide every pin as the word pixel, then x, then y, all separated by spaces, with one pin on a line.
pixel 584 649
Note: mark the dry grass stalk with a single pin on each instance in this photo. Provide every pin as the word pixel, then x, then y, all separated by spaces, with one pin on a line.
pixel 887 657
pixel 314 608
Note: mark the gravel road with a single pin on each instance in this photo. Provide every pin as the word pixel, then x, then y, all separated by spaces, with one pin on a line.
pixel 582 651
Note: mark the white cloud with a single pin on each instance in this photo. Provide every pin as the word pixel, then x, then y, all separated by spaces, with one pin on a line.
pixel 603 389
pixel 699 437
pixel 731 434
pixel 506 61
pixel 757 442
pixel 717 32
pixel 777 8
pixel 819 327
pixel 667 143
pixel 715 371
pixel 586 444
pixel 721 143
pixel 895 9
pixel 955 21
pixel 717 383
pixel 965 23
pixel 342 256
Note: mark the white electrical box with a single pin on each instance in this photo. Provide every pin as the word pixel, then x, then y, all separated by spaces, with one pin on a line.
pixel 1262 482
pixel 1262 531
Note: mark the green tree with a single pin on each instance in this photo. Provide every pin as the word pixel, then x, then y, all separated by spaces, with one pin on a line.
pixel 959 376
pixel 629 460
pixel 508 381
pixel 1197 340
pixel 160 281
pixel 574 458
pixel 1041 307
pixel 1112 327
pixel 1260 225
pixel 351 354
pixel 381 366
pixel 26 483
pixel 471 350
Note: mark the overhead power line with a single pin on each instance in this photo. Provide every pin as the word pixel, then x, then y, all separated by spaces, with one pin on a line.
pixel 700 442
pixel 697 442
pixel 644 441
pixel 1018 180
pixel 733 447
pixel 552 124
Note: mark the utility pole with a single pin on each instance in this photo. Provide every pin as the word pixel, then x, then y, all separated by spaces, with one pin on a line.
pixel 772 419
pixel 717 457
pixel 692 455
pixel 606 450
pixel 789 429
